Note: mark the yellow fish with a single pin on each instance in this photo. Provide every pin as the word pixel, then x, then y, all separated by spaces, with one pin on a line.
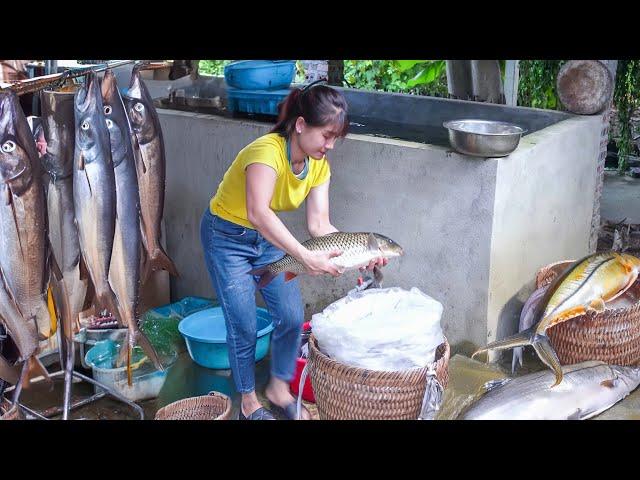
pixel 585 286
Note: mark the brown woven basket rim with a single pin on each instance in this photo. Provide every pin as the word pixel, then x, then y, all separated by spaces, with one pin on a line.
pixel 380 374
pixel 590 314
pixel 222 416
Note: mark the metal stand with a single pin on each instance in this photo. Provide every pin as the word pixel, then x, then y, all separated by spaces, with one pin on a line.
pixel 69 373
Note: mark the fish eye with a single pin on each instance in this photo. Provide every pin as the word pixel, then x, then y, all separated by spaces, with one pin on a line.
pixel 138 107
pixel 85 125
pixel 109 123
pixel 107 110
pixel 8 146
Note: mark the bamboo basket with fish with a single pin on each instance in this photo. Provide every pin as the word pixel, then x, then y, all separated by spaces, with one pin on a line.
pixel 343 392
pixel 611 336
pixel 214 406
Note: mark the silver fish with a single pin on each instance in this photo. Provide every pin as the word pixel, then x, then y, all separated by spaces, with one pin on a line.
pixel 59 135
pixel 124 271
pixel 94 190
pixel 150 165
pixel 587 389
pixel 23 224
pixel 357 248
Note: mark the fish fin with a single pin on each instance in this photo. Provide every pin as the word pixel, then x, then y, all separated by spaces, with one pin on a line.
pixel 372 243
pixel 137 154
pixel 15 221
pixel 9 373
pixel 7 198
pixel 491 384
pixel 611 383
pixel 378 277
pixel 597 305
pixel 518 340
pixel 142 340
pixel 517 358
pixel 37 369
pixel 55 268
pixel 266 276
pixel 81 161
pixel 575 415
pixel 289 276
pixel 3 284
pixel 564 316
pixel 158 261
pixel 82 269
pixel 547 354
pixel 632 280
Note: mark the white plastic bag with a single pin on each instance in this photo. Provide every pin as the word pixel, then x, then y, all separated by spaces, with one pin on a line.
pixel 388 329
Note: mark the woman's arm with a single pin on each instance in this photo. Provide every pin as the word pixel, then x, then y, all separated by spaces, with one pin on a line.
pixel 261 181
pixel 318 222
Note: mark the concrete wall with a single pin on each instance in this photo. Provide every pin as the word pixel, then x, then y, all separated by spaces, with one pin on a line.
pixel 436 204
pixel 543 209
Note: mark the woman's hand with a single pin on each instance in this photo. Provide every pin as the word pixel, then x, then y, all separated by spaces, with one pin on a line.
pixel 380 261
pixel 317 263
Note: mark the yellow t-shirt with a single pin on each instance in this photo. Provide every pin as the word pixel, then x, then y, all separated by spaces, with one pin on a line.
pixel 230 201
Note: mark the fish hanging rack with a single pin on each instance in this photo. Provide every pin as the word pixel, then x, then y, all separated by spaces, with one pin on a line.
pixel 55 80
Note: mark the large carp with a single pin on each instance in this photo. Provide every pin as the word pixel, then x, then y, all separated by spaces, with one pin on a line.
pixel 584 286
pixel 151 167
pixel 358 249
pixel 124 272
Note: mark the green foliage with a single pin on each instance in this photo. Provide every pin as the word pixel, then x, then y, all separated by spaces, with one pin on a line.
pixel 627 99
pixel 419 77
pixel 537 84
pixel 213 67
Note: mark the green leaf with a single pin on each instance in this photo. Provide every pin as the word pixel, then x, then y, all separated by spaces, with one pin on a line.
pixel 404 65
pixel 428 74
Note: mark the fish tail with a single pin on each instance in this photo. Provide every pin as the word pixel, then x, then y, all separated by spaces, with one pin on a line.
pixel 517 358
pixel 548 356
pixel 148 348
pixel 159 260
pixel 518 340
pixel 265 274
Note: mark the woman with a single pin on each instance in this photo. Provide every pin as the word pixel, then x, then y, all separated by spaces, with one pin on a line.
pixel 240 232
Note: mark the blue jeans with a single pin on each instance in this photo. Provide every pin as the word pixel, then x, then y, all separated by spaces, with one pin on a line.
pixel 230 252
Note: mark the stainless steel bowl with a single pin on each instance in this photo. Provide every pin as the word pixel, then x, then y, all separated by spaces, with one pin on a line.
pixel 483 138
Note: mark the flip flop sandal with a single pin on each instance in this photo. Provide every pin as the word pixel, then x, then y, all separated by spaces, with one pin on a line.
pixel 290 411
pixel 260 414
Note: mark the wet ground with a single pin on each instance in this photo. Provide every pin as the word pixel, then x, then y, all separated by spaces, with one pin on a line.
pixel 184 379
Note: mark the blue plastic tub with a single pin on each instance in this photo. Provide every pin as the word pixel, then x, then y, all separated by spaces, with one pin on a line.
pixel 205 334
pixel 260 74
pixel 255 101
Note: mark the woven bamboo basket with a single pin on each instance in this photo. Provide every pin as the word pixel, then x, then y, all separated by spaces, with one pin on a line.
pixel 612 336
pixel 214 406
pixel 349 393
pixel 9 411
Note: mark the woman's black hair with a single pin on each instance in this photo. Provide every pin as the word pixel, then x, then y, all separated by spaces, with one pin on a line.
pixel 319 105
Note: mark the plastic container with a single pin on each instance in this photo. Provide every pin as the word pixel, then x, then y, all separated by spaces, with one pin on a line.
pixel 186 306
pixel 146 380
pixel 205 334
pixel 264 102
pixel 260 74
pixel 307 389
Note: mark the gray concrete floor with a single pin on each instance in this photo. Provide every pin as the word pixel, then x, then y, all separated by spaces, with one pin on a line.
pixel 620 198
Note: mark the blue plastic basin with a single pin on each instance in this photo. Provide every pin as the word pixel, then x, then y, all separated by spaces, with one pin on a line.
pixel 205 334
pixel 260 74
